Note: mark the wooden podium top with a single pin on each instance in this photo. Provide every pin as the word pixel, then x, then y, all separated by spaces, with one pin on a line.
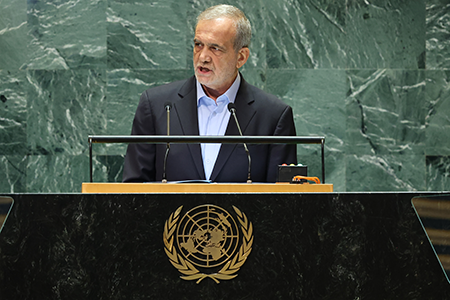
pixel 156 188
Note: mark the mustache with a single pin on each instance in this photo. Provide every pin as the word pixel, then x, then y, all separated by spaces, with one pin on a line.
pixel 204 66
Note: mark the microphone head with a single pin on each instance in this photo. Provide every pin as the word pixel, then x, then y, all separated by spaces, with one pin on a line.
pixel 231 107
pixel 167 105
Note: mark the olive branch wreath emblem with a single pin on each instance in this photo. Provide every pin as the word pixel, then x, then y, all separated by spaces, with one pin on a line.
pixel 185 267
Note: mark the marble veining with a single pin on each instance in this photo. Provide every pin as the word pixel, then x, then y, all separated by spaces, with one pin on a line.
pixel 13 34
pixel 67 170
pixel 138 34
pixel 438 34
pixel 385 173
pixel 66 35
pixel 438 117
pixel 438 172
pixel 386 112
pixel 389 34
pixel 296 40
pixel 13 116
pixel 372 77
pixel 60 119
pixel 14 170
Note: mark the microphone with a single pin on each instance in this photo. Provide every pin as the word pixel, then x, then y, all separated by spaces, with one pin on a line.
pixel 232 109
pixel 167 107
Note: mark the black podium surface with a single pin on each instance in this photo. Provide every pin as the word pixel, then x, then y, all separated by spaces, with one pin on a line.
pixel 306 246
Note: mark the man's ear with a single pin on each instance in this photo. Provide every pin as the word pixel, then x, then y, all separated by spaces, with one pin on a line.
pixel 243 55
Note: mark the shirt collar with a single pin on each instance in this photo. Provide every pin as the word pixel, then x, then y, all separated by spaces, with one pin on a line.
pixel 230 93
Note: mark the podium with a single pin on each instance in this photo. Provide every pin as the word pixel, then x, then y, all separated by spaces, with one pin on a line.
pixel 113 242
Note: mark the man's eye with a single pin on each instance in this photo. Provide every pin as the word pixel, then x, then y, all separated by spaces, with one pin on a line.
pixel 215 48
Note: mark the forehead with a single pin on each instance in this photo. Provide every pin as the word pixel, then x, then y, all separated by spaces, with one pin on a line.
pixel 218 31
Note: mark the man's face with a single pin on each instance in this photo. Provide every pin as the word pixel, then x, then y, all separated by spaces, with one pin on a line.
pixel 216 62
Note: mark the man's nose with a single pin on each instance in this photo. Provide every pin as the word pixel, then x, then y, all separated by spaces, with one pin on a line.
pixel 205 55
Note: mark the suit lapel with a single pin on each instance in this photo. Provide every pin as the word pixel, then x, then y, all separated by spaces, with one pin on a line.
pixel 186 109
pixel 245 111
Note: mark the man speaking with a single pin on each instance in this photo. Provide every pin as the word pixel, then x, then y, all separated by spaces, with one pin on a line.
pixel 199 106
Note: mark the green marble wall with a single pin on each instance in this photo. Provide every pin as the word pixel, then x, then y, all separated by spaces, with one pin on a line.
pixel 371 76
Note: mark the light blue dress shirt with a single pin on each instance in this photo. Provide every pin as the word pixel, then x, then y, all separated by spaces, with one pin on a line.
pixel 213 117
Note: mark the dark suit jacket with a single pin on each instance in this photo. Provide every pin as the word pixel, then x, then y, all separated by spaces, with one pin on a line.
pixel 258 113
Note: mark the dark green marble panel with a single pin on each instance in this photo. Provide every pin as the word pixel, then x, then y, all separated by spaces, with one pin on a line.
pixel 438 119
pixel 143 34
pixel 438 34
pixel 386 112
pixel 59 173
pixel 317 98
pixel 255 76
pixel 108 168
pixel 13 112
pixel 64 107
pixel 13 34
pixel 13 169
pixel 381 120
pixel 385 34
pixel 394 172
pixel 438 173
pixel 305 34
pixel 66 34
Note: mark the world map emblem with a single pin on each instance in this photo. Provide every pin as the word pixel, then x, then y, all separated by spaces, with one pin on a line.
pixel 207 242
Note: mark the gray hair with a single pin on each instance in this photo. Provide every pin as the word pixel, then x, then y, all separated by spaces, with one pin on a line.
pixel 242 24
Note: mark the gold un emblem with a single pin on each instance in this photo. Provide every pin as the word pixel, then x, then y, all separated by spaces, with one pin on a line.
pixel 206 242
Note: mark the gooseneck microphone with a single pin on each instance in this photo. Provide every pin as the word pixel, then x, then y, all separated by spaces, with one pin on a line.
pixel 167 107
pixel 232 109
